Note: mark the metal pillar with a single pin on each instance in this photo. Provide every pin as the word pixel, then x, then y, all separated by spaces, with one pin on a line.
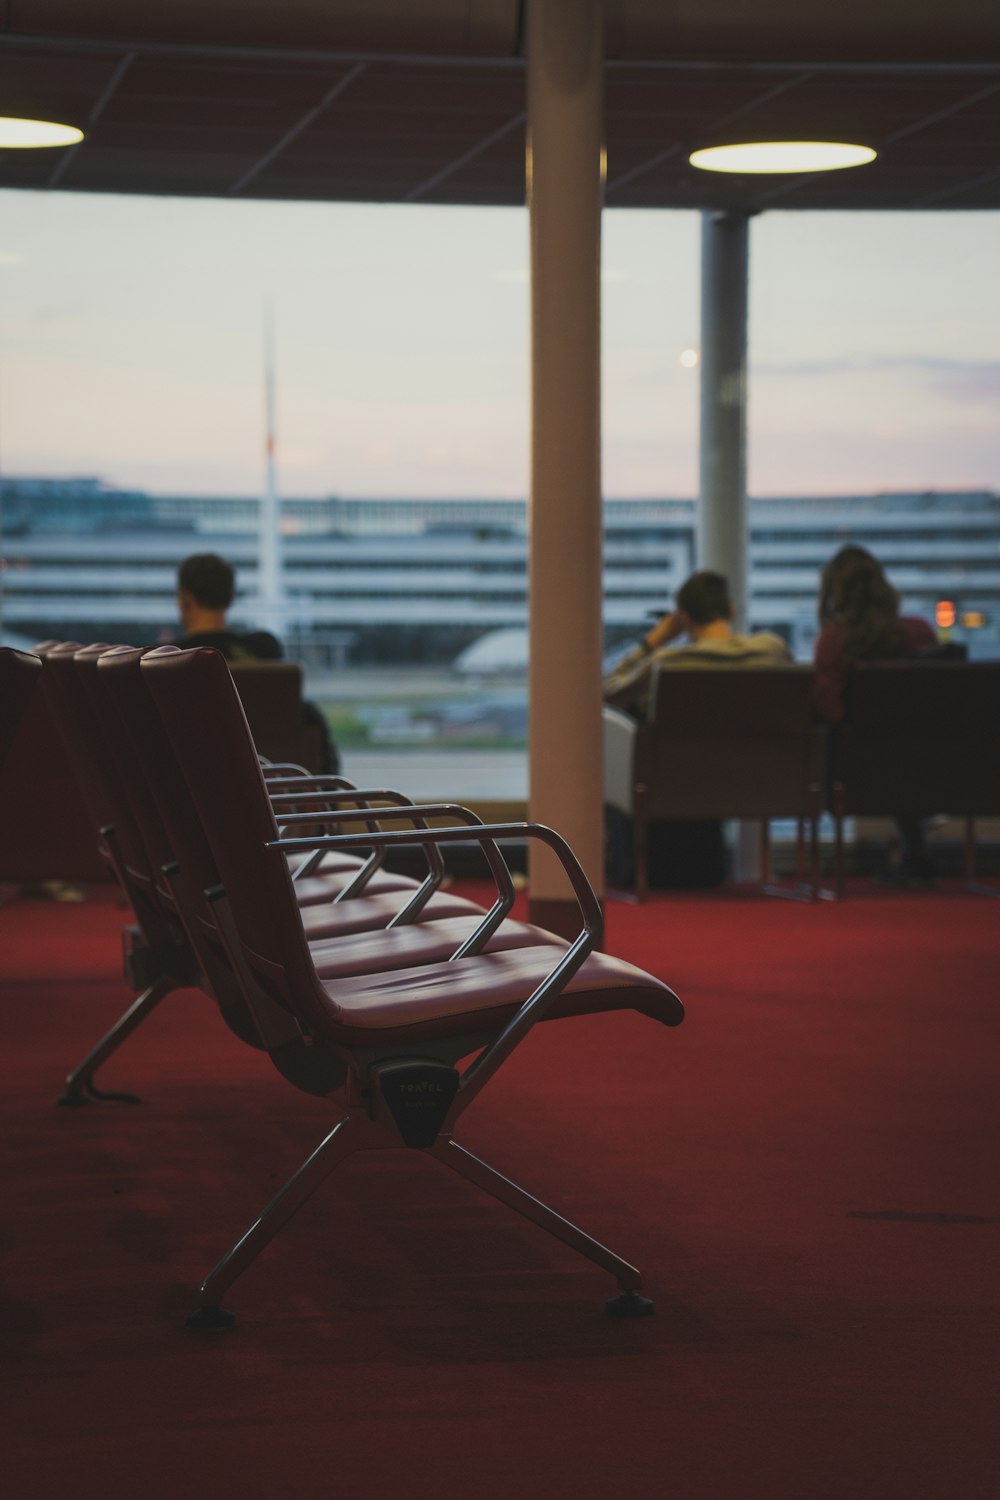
pixel 722 542
pixel 722 530
pixel 565 189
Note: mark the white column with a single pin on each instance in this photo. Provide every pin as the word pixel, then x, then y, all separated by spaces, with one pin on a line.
pixel 722 542
pixel 565 187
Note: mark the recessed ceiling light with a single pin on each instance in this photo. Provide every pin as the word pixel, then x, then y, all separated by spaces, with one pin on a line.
pixel 782 156
pixel 22 135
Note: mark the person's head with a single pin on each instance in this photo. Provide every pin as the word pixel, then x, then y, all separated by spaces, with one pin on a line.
pixel 704 600
pixel 853 585
pixel 206 584
pixel 855 593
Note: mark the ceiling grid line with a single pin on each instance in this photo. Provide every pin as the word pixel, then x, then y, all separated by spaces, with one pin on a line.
pixel 460 161
pixel 721 123
pixel 297 129
pixel 62 166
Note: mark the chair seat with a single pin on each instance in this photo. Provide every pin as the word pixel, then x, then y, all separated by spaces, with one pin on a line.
pixel 372 913
pixel 484 992
pixel 312 890
pixel 331 864
pixel 418 943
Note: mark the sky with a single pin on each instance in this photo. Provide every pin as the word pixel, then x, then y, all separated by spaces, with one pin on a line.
pixel 131 348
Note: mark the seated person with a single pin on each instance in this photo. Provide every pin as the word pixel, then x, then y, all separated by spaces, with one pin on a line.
pixel 206 585
pixel 859 620
pixel 689 854
pixel 704 615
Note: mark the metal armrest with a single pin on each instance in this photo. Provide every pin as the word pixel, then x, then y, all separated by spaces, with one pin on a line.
pixel 495 1054
pixel 495 860
pixel 338 783
pixel 357 798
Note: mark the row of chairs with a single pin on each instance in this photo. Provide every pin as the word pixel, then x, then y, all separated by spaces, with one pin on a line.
pixel 265 888
pixel 919 737
pixel 52 840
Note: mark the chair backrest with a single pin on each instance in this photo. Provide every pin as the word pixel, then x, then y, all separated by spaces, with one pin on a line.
pixel 919 737
pixel 171 828
pixel 19 676
pixel 729 742
pixel 76 721
pixel 202 716
pixel 271 694
pixel 48 831
pixel 104 740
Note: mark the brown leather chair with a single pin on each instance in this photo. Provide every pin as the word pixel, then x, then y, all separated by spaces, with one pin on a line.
pixel 19 675
pixel 918 737
pixel 392 1039
pixel 271 694
pixel 719 743
pixel 140 804
pixel 49 834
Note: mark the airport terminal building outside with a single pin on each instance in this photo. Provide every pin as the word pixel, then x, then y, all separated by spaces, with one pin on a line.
pixel 422 581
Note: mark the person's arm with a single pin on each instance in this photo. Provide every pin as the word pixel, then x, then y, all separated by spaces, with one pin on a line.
pixel 626 685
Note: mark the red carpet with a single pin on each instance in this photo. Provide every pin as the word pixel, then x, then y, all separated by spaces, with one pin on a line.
pixel 805 1172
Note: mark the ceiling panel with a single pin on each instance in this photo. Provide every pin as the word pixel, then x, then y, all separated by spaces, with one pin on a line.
pixel 261 112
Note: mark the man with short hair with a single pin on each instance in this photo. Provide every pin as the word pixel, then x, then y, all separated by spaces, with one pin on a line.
pixel 704 614
pixel 206 587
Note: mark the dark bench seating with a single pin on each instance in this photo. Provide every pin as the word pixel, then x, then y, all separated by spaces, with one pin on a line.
pixel 918 737
pixel 720 743
pixel 387 1042
pixel 18 680
pixel 140 804
pixel 271 694
pixel 48 817
pixel 48 833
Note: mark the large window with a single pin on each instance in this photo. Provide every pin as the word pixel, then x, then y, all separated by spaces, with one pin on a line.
pixel 133 431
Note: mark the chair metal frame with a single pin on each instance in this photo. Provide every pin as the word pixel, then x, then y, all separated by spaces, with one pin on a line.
pixel 404 1088
pixel 166 949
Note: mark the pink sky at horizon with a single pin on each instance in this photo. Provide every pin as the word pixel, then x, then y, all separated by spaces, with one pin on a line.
pixel 130 348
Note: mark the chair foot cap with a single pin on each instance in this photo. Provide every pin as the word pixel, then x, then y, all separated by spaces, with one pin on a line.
pixel 628 1305
pixel 210 1320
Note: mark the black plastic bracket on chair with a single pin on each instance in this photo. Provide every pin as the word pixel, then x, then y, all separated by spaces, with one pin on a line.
pixel 210 1320
pixel 629 1305
pixel 418 1093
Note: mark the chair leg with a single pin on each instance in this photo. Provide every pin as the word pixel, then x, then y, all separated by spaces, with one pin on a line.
pixel 454 1156
pixel 766 872
pixel 800 851
pixel 969 856
pixel 640 854
pixel 838 842
pixel 972 885
pixel 80 1083
pixel 339 1144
